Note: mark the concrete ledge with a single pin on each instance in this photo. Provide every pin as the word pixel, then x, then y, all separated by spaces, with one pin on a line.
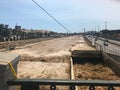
pixel 86 54
pixel 5 70
pixel 83 56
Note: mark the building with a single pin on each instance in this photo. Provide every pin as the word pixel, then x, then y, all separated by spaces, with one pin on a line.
pixel 4 26
pixel 18 27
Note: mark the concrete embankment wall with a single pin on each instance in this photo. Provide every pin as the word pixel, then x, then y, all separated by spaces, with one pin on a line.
pixel 113 62
pixel 88 41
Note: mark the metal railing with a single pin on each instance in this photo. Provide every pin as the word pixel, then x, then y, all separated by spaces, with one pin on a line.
pixel 33 84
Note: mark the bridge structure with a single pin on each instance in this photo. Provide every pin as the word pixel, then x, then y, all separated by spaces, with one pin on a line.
pixel 10 82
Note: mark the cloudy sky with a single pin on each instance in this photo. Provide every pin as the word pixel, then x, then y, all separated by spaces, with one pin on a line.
pixel 74 14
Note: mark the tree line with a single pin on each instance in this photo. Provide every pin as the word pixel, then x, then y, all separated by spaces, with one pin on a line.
pixel 8 34
pixel 111 34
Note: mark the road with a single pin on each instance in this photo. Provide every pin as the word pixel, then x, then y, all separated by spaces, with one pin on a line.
pixel 111 48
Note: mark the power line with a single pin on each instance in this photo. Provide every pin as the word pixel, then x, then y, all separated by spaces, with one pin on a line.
pixel 51 16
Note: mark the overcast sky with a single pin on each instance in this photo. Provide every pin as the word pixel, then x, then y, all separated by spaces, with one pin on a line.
pixel 74 14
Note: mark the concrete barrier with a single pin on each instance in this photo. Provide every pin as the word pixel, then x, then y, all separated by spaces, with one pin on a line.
pixel 89 42
pixel 72 69
pixel 6 71
pixel 113 62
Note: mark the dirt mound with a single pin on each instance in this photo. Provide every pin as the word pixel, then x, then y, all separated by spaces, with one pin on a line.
pixel 56 59
pixel 43 70
pixel 89 71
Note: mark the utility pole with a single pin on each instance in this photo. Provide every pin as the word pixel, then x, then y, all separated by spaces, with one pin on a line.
pixel 98 28
pixel 105 36
pixel 95 31
pixel 105 25
pixel 84 31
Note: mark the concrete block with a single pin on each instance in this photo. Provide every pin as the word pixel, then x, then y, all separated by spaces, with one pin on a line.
pixel 5 70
